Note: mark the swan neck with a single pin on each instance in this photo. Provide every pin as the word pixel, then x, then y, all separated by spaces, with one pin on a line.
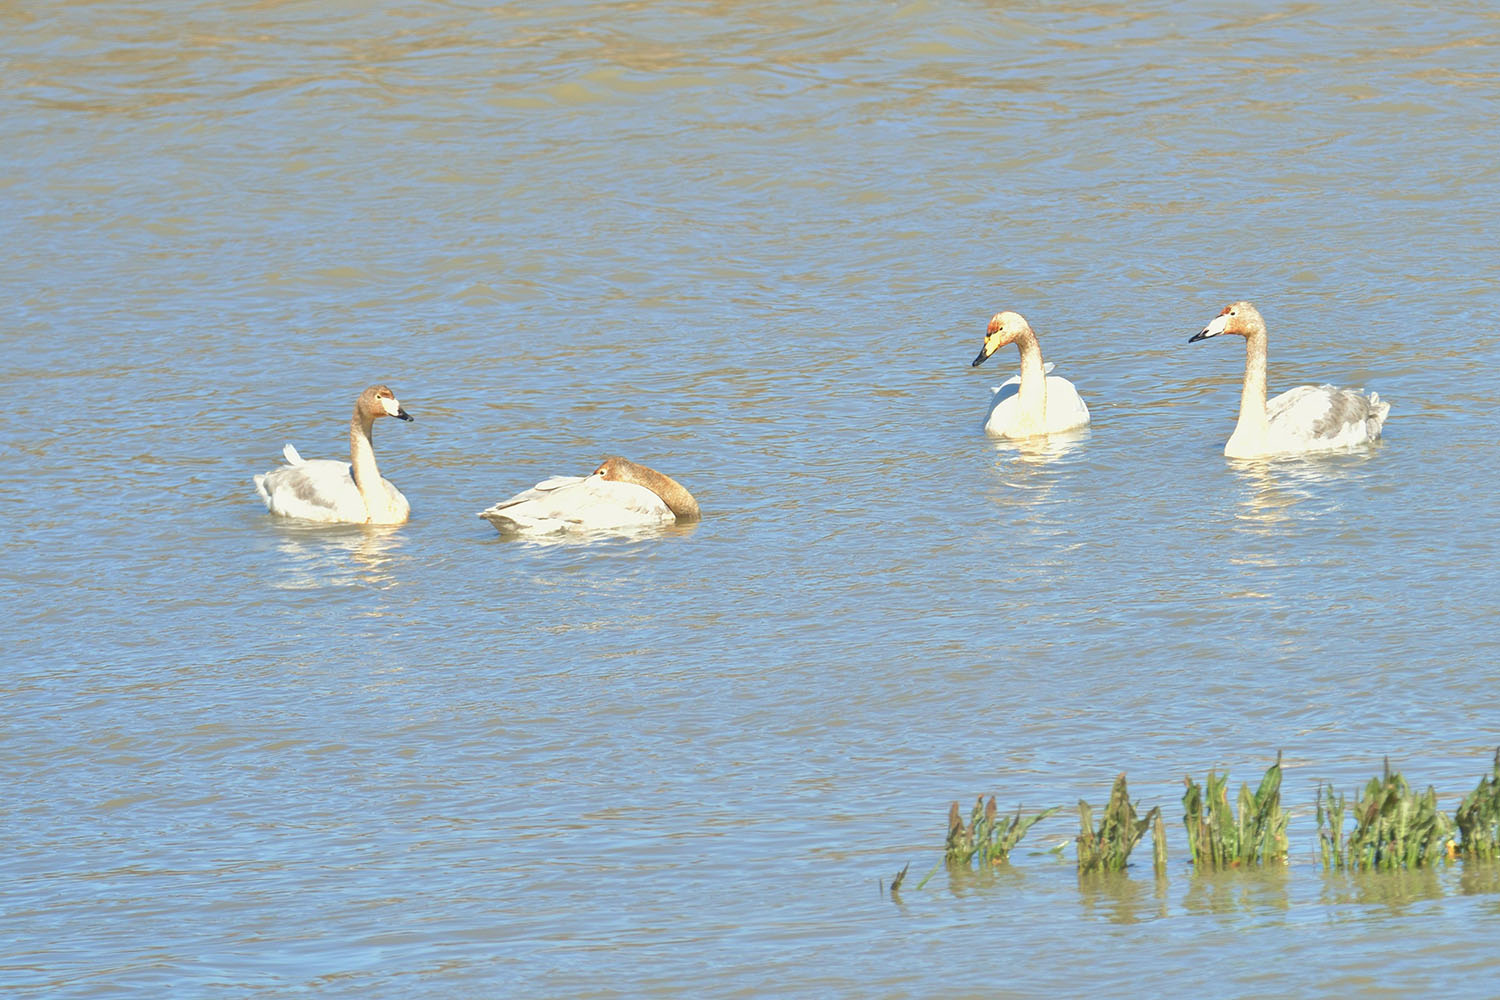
pixel 678 500
pixel 362 458
pixel 1033 391
pixel 1253 394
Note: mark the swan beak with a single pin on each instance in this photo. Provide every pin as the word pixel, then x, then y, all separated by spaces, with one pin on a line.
pixel 394 409
pixel 984 352
pixel 1211 330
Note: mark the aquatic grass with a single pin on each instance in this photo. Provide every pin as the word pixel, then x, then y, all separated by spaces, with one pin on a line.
pixel 1331 811
pixel 987 836
pixel 1108 848
pixel 898 878
pixel 1159 844
pixel 1478 818
pixel 1222 837
pixel 1389 827
pixel 1393 826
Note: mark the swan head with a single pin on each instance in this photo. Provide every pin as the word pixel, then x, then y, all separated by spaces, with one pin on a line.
pixel 380 401
pixel 1005 328
pixel 1238 317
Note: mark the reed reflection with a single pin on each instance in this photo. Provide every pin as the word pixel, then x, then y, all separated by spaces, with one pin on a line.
pixel 1479 878
pixel 1395 890
pixel 1120 899
pixel 965 881
pixel 1238 890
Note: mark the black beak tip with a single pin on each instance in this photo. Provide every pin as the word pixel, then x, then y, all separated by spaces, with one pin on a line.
pixel 403 415
pixel 1200 335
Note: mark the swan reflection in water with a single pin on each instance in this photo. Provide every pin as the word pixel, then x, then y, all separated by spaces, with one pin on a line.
pixel 1042 449
pixel 583 538
pixel 355 556
pixel 1281 493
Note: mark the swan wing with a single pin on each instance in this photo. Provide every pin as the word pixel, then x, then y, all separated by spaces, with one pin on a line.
pixel 1004 407
pixel 1323 417
pixel 317 490
pixel 1066 409
pixel 578 503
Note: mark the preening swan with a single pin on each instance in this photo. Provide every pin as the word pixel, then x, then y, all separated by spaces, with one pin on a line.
pixel 349 492
pixel 1034 402
pixel 1309 418
pixel 619 495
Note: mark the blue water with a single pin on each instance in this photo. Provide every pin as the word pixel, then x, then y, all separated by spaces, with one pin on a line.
pixel 755 248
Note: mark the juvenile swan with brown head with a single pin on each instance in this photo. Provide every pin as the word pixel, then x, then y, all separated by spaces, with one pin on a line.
pixel 1309 418
pixel 618 496
pixel 1033 402
pixel 349 492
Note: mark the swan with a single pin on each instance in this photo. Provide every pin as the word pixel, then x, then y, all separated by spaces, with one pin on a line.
pixel 340 492
pixel 1033 402
pixel 618 495
pixel 1309 418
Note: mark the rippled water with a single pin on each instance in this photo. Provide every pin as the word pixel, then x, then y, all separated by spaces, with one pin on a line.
pixel 754 246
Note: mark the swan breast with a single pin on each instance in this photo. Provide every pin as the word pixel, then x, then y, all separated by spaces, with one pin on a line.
pixel 1065 411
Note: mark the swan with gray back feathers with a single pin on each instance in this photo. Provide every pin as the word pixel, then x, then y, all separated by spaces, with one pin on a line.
pixel 618 495
pixel 1304 420
pixel 351 492
pixel 1033 402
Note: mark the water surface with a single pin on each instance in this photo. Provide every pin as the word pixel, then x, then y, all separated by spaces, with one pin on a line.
pixel 755 247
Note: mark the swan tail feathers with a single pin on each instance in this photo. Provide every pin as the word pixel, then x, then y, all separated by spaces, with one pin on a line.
pixel 291 455
pixel 1379 409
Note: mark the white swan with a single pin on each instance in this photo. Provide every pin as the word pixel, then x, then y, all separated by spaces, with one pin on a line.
pixel 619 495
pixel 343 492
pixel 1034 402
pixel 1309 418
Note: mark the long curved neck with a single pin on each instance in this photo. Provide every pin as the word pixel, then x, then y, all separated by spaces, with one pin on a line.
pixel 1253 395
pixel 362 458
pixel 678 500
pixel 1033 391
